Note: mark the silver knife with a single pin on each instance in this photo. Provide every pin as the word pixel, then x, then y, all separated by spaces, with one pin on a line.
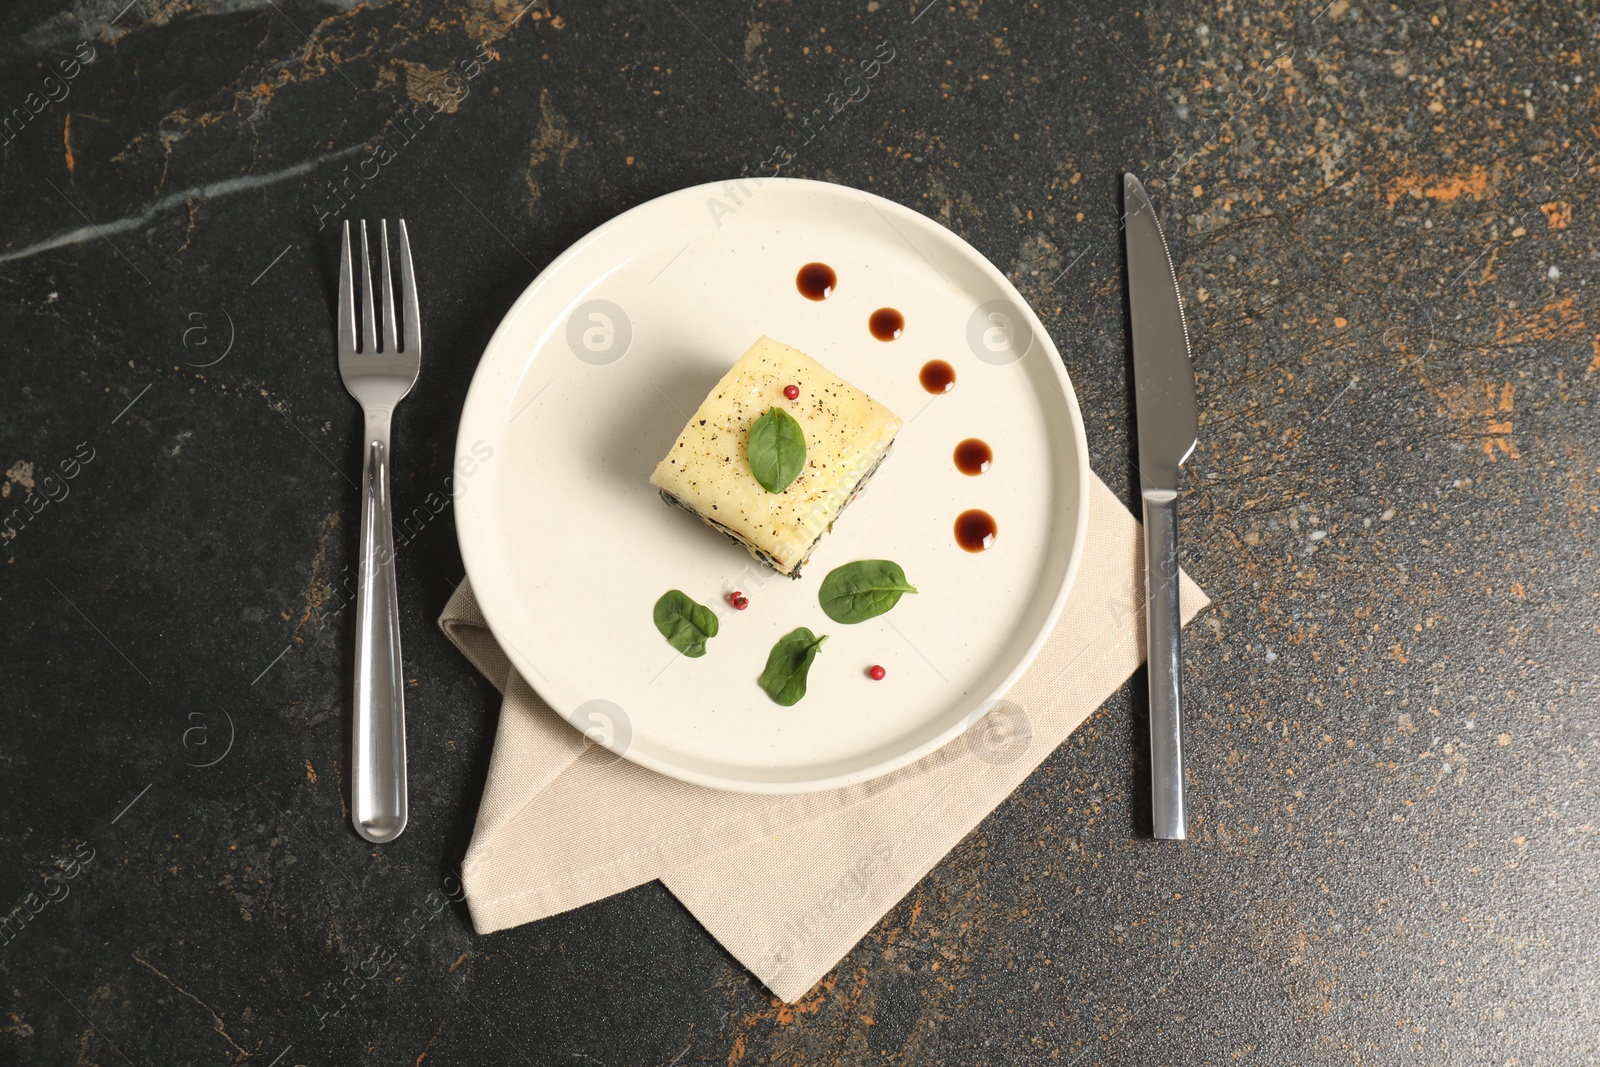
pixel 1168 422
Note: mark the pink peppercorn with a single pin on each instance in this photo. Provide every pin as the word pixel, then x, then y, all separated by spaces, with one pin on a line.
pixel 792 392
pixel 877 673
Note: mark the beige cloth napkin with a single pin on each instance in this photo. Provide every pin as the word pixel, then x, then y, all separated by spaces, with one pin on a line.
pixel 788 884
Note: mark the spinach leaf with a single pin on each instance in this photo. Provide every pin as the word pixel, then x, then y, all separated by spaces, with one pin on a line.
pixel 685 624
pixel 862 590
pixel 776 449
pixel 787 664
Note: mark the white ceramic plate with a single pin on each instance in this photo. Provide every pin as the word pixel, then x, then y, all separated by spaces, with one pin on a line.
pixel 588 382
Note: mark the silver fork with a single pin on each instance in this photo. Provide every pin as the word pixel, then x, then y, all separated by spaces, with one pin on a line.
pixel 378 374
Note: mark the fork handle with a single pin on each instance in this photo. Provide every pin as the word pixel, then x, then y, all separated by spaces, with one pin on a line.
pixel 378 804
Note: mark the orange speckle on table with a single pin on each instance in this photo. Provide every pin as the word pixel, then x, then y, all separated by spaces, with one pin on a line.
pixel 1503 740
pixel 1557 213
pixel 311 773
pixel 1475 183
pixel 1340 321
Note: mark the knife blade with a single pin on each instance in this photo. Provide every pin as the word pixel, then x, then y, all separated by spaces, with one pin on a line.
pixel 1167 418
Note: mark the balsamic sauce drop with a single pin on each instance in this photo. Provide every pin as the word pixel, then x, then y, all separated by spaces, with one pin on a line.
pixel 816 281
pixel 937 376
pixel 975 530
pixel 886 324
pixel 973 456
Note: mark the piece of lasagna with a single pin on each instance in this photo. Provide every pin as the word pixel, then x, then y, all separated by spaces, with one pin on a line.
pixel 708 472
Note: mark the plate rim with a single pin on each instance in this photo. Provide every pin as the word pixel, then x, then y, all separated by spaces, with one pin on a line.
pixel 477 396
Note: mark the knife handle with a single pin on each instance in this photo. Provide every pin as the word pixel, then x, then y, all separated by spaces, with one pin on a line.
pixel 1164 627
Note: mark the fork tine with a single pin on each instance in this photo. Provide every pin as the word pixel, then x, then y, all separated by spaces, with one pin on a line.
pixel 408 295
pixel 369 325
pixel 391 343
pixel 347 297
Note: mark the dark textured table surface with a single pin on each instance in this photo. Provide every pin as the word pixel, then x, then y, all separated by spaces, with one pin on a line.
pixel 1383 218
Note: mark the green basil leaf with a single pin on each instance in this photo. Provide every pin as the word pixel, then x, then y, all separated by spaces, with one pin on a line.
pixel 686 625
pixel 787 664
pixel 862 590
pixel 776 449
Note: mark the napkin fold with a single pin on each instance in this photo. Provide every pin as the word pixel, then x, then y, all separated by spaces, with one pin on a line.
pixel 788 884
